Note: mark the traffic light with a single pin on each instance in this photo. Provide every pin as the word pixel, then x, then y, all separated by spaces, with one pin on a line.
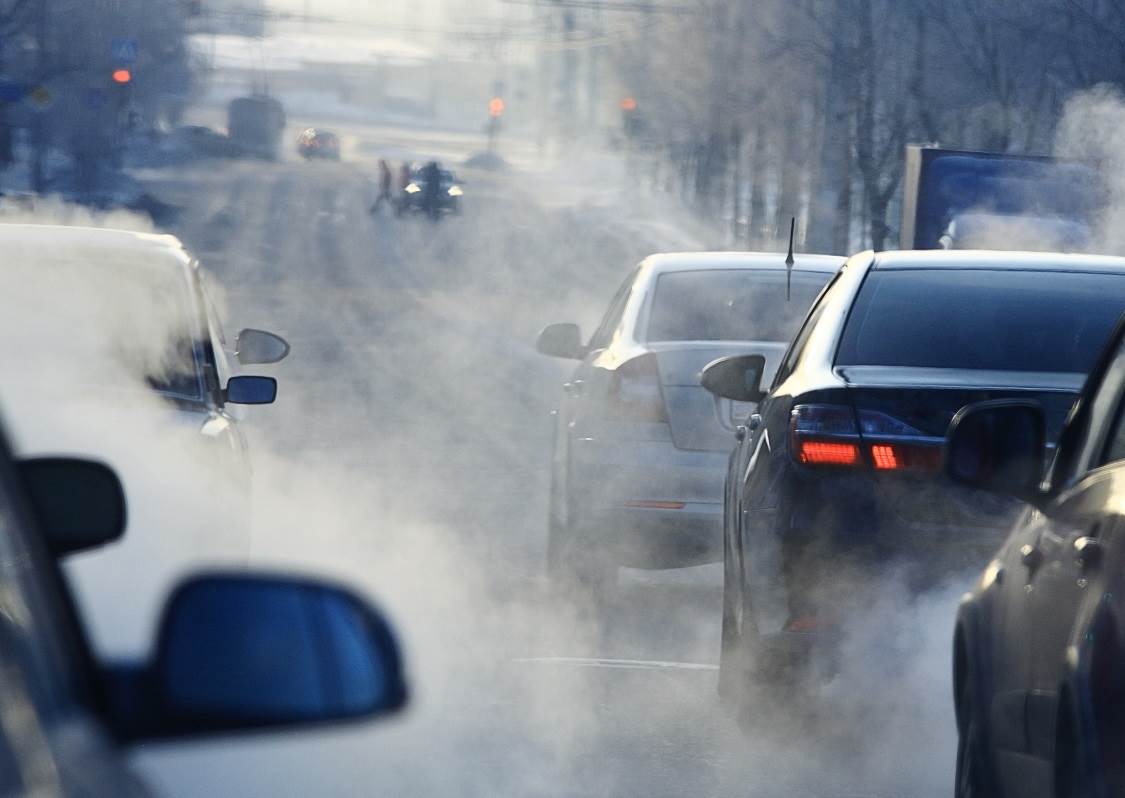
pixel 122 76
pixel 496 107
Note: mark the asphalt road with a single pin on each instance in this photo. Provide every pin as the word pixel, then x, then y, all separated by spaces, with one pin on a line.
pixel 407 456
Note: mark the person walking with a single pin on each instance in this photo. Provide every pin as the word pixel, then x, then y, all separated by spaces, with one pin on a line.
pixel 384 186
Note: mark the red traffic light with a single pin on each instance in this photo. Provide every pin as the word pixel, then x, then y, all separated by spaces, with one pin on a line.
pixel 628 104
pixel 122 76
pixel 496 107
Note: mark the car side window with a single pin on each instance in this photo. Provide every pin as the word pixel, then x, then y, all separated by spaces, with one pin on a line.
pixel 33 688
pixel 797 348
pixel 1114 450
pixel 601 337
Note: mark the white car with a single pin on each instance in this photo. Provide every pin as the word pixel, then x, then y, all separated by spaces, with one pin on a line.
pixel 112 349
pixel 641 448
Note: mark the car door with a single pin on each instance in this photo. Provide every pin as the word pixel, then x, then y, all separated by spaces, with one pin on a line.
pixel 759 465
pixel 576 391
pixel 1084 523
pixel 1070 548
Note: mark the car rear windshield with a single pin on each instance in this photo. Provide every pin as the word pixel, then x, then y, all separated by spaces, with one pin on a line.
pixel 730 305
pixel 997 320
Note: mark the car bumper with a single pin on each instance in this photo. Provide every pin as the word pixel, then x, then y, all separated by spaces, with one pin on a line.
pixel 846 543
pixel 649 504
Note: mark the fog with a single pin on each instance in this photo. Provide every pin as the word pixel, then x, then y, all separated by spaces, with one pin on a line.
pixel 408 456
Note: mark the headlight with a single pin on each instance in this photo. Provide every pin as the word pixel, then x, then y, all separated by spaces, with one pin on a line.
pixel 455 191
pixel 413 188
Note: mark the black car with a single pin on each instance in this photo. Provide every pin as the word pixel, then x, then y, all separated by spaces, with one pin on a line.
pixel 434 197
pixel 836 481
pixel 1039 646
pixel 233 652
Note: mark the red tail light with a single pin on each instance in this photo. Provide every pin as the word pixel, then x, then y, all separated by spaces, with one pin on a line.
pixel 828 453
pixel 835 435
pixel 635 393
pixel 824 435
pixel 905 457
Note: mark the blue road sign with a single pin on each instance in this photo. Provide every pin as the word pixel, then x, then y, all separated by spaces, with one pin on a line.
pixel 124 51
pixel 11 92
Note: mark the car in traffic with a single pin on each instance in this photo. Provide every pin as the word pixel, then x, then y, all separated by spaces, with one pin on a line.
pixel 417 197
pixel 114 347
pixel 639 447
pixel 1039 642
pixel 835 488
pixel 234 653
pixel 318 143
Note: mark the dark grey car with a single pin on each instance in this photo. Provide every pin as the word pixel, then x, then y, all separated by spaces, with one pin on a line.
pixel 1039 645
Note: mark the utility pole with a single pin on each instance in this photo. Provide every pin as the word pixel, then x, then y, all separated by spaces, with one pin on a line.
pixel 38 178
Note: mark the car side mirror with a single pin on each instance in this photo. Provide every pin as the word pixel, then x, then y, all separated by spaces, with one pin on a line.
pixel 998 446
pixel 561 340
pixel 738 377
pixel 247 390
pixel 254 347
pixel 241 652
pixel 78 504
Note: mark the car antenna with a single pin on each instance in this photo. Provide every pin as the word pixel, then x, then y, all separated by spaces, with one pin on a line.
pixel 789 258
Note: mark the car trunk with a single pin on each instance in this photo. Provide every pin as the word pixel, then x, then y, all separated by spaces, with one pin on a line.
pixel 925 401
pixel 698 420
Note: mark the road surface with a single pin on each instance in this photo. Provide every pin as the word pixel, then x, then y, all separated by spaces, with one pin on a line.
pixel 407 455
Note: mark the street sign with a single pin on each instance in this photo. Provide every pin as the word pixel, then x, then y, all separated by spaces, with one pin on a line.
pixel 11 92
pixel 124 51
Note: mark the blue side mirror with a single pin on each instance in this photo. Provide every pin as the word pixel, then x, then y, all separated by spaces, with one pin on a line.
pixel 251 390
pixel 245 652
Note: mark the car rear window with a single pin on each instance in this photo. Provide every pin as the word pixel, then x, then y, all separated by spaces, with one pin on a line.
pixel 997 320
pixel 730 305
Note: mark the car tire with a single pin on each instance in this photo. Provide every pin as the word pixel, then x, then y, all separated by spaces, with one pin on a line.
pixel 1072 779
pixel 733 671
pixel 574 567
pixel 973 777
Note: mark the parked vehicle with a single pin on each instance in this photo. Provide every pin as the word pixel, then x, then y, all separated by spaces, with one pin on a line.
pixel 836 482
pixel 234 653
pixel 1039 660
pixel 955 199
pixel 640 447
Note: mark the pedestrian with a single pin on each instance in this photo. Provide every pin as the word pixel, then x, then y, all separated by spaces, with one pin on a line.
pixel 384 185
pixel 405 178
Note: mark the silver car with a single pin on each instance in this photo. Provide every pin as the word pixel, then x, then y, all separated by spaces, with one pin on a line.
pixel 641 448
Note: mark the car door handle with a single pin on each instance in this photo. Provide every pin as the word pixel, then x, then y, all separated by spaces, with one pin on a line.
pixel 574 387
pixel 1087 552
pixel 1031 556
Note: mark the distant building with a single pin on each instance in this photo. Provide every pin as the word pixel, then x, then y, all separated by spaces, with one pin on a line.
pixel 234 17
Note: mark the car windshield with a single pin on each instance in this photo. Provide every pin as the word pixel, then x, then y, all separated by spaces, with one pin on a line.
pixel 140 301
pixel 1002 320
pixel 730 305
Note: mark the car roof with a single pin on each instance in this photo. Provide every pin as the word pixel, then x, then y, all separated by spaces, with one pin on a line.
pixel 763 261
pixel 51 237
pixel 996 260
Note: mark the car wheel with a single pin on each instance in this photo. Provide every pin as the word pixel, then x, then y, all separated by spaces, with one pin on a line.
pixel 1071 778
pixel 973 778
pixel 733 673
pixel 574 567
